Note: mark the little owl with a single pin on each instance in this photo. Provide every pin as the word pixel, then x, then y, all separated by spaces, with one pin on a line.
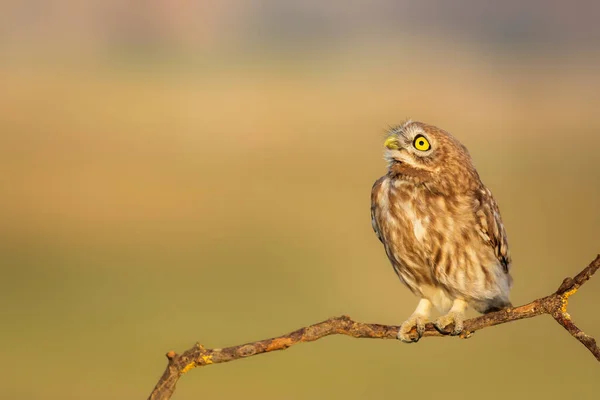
pixel 440 227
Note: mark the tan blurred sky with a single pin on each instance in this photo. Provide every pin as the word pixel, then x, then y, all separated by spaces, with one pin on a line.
pixel 187 24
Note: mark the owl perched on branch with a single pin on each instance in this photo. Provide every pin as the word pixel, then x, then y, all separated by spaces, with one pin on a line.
pixel 440 227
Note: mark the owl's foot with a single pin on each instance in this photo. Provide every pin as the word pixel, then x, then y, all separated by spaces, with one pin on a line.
pixel 406 333
pixel 417 321
pixel 453 322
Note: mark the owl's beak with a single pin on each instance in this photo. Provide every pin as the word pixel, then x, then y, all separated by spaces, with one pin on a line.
pixel 392 143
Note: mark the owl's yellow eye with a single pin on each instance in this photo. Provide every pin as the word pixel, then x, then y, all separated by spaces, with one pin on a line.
pixel 421 143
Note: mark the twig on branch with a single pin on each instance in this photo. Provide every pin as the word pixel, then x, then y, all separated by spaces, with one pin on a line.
pixel 554 305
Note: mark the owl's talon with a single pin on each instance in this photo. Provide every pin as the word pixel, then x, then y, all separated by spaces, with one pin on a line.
pixel 451 323
pixel 407 334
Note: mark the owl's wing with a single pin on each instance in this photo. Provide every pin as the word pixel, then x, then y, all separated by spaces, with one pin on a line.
pixel 374 193
pixel 490 226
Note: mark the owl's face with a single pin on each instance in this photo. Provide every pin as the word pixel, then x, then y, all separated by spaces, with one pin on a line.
pixel 423 153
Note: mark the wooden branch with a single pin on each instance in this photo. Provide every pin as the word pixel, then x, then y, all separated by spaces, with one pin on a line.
pixel 554 305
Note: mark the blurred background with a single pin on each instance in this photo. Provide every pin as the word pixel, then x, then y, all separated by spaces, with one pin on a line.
pixel 182 171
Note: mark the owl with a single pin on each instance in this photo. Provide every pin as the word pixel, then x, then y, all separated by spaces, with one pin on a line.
pixel 441 229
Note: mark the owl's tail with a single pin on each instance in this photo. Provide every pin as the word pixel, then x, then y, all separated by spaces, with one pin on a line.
pixel 495 304
pixel 501 300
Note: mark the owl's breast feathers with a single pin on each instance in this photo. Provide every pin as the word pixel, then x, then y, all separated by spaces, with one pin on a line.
pixel 456 242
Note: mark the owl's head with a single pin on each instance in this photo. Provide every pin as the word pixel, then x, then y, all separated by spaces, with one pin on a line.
pixel 426 154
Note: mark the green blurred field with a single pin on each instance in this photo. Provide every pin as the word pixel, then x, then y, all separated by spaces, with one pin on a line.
pixel 147 207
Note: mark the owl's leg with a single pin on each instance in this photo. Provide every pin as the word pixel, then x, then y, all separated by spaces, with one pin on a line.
pixel 455 316
pixel 416 320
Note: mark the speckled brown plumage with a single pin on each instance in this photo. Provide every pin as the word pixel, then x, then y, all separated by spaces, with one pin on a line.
pixel 440 227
